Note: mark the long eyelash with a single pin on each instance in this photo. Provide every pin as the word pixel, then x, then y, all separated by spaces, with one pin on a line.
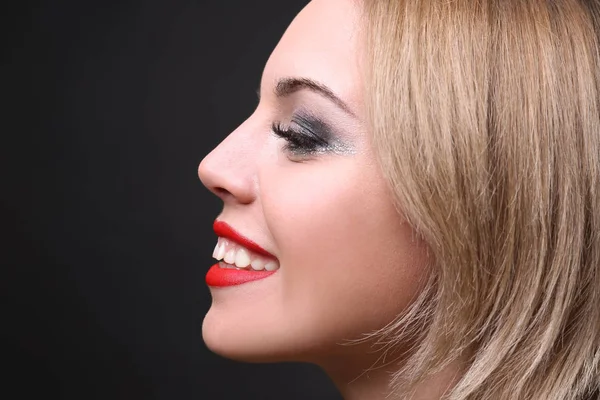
pixel 297 142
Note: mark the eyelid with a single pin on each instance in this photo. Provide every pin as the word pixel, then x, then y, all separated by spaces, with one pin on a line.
pixel 295 135
pixel 313 125
pixel 306 127
pixel 302 144
pixel 297 143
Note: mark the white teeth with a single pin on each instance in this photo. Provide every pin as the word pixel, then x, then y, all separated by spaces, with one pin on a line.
pixel 242 259
pixel 221 251
pixel 258 264
pixel 271 266
pixel 233 255
pixel 230 256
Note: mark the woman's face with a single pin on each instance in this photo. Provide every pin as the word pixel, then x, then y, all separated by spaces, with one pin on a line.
pixel 349 264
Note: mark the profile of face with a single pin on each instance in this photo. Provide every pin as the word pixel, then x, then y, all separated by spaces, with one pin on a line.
pixel 300 179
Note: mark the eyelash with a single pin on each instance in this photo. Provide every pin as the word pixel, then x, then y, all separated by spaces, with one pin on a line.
pixel 297 142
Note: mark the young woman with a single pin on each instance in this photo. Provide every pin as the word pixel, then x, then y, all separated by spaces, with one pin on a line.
pixel 414 206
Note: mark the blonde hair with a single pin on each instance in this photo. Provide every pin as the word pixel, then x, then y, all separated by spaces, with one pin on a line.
pixel 485 118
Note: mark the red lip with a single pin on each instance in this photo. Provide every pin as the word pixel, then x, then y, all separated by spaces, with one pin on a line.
pixel 219 277
pixel 222 229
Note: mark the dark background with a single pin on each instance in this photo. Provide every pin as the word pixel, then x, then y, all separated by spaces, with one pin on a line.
pixel 108 109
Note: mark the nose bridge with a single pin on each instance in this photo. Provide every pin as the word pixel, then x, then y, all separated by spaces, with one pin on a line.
pixel 229 170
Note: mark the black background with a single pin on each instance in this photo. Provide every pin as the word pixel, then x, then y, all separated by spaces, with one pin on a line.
pixel 108 109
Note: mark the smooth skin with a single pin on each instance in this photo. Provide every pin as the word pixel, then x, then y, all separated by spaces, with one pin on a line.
pixel 350 263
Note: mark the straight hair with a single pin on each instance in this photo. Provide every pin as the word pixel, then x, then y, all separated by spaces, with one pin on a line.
pixel 485 119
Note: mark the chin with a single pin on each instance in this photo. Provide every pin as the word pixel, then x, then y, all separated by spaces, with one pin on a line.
pixel 246 345
pixel 263 340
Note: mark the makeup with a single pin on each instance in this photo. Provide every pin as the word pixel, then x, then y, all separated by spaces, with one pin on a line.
pixel 307 134
pixel 228 275
pixel 220 277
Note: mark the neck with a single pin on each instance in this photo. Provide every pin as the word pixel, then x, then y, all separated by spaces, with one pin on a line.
pixel 360 380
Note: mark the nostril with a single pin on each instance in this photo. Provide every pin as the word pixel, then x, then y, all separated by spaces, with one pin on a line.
pixel 221 192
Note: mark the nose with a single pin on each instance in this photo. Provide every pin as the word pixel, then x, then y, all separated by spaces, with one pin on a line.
pixel 229 170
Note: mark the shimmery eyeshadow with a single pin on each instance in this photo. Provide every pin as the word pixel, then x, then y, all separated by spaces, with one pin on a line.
pixel 322 131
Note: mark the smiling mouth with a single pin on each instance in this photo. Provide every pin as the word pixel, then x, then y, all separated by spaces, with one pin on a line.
pixel 240 259
pixel 234 256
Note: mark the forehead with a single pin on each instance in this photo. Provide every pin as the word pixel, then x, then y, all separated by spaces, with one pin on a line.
pixel 321 43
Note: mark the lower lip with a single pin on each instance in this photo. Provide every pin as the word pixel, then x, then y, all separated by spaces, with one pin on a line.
pixel 219 277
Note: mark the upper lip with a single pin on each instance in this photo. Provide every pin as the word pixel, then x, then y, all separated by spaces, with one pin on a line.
pixel 223 229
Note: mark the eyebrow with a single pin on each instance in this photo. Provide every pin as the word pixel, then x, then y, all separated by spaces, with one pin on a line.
pixel 287 86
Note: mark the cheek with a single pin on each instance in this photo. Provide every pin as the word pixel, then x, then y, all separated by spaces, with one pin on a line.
pixel 349 262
